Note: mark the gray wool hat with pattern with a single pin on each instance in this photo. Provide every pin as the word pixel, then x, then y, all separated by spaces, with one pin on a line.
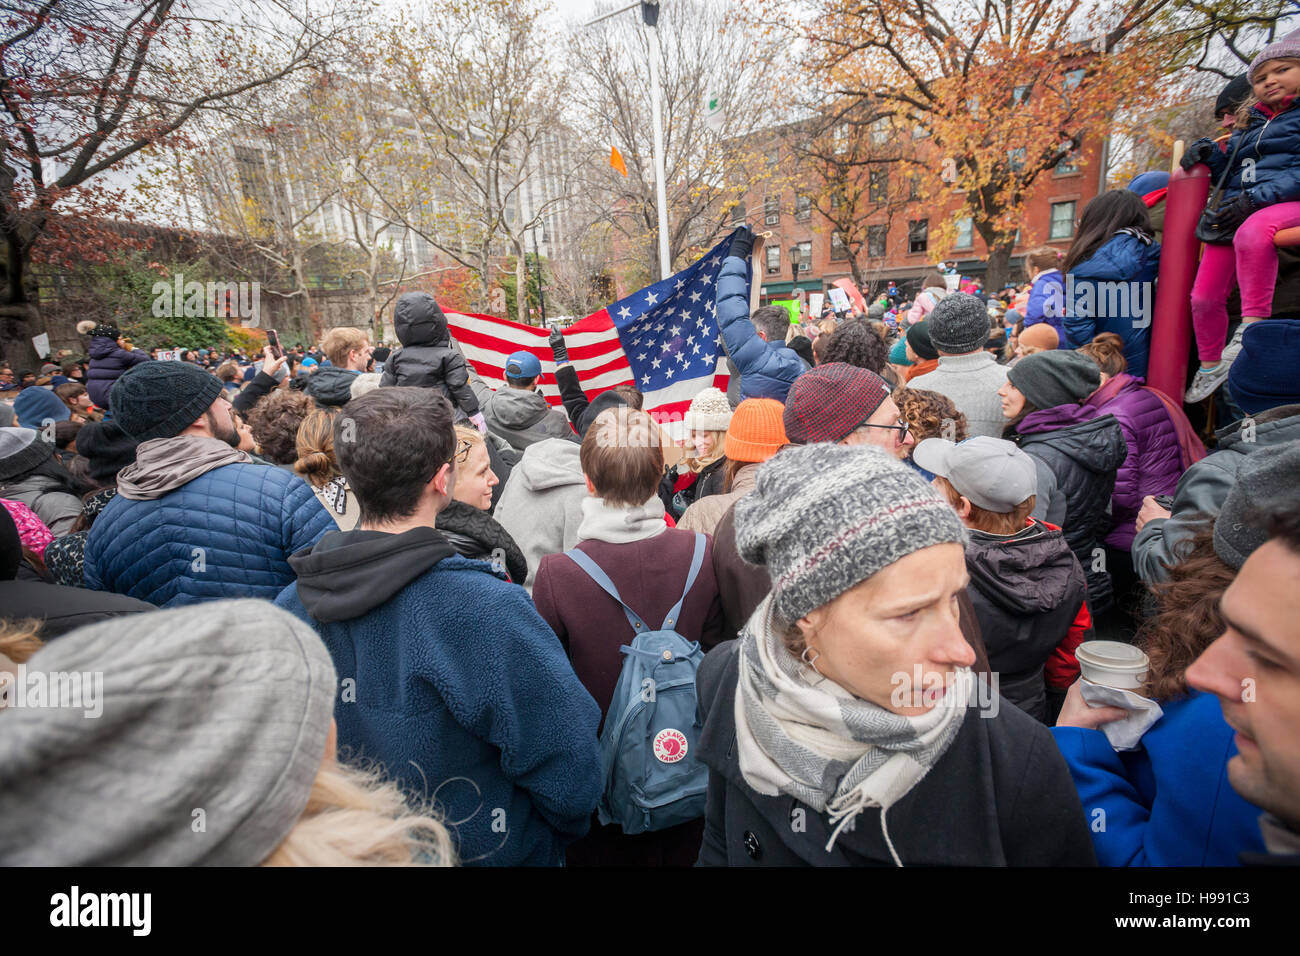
pixel 823 518
pixel 959 324
pixel 1266 480
pixel 223 707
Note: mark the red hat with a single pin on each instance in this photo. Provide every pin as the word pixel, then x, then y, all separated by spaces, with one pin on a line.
pixel 830 401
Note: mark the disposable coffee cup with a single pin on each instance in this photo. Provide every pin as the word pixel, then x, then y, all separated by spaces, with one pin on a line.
pixel 1113 664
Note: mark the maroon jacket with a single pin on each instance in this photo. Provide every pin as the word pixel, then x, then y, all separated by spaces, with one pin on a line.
pixel 649 575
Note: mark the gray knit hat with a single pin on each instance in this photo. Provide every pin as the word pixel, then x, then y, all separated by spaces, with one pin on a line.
pixel 21 450
pixel 824 518
pixel 1288 46
pixel 1049 379
pixel 959 324
pixel 223 707
pixel 1266 480
pixel 160 399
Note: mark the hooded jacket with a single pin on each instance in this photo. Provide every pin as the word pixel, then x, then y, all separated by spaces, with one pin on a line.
pixel 426 358
pixel 541 506
pixel 520 416
pixel 461 690
pixel 1047 301
pixel 1114 291
pixel 108 361
pixel 1027 590
pixel 1271 142
pixel 767 369
pixel 999 796
pixel 474 534
pixel 1077 451
pixel 1203 488
pixel 331 387
pixel 194 521
pixel 47 497
pixel 1154 462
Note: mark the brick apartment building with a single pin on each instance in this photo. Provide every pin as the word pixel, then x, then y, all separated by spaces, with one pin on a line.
pixel 898 247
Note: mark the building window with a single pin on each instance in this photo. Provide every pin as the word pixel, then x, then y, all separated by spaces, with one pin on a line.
pixel 805 256
pixel 918 235
pixel 773 158
pixel 965 234
pixel 919 132
pixel 973 105
pixel 914 187
pixel 738 214
pixel 878 185
pixel 1069 164
pixel 840 139
pixel 773 259
pixel 802 208
pixel 876 236
pixel 1020 95
pixel 1073 78
pixel 880 131
pixel 772 210
pixel 1016 158
pixel 837 197
pixel 1062 224
pixel 839 250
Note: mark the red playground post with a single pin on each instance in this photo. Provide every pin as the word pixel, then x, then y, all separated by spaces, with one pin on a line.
pixel 1171 325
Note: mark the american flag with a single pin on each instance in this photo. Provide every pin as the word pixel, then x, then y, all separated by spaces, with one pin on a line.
pixel 663 339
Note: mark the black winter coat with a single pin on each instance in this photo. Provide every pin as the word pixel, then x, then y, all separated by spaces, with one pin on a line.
pixel 1081 451
pixel 707 482
pixel 1001 795
pixel 475 534
pixel 426 358
pixel 1027 591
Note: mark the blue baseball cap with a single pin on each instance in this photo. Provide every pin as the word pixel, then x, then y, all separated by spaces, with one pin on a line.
pixel 523 365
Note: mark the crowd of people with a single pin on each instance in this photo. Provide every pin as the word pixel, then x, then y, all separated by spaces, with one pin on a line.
pixel 352 605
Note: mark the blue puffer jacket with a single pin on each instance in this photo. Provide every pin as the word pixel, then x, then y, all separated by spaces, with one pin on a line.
pixel 1168 803
pixel 108 361
pixel 767 369
pixel 1271 142
pixel 1047 302
pixel 1115 291
pixel 246 518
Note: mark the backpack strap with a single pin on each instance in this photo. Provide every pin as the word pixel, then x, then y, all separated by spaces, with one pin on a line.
pixel 697 560
pixel 583 560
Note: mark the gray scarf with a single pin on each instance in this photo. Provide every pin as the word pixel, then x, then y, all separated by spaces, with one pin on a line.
pixel 807 737
pixel 164 464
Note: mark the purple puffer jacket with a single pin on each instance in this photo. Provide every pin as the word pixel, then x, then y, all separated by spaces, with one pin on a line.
pixel 108 361
pixel 1154 462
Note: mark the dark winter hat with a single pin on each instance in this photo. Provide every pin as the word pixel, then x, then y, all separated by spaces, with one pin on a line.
pixel 160 399
pixel 1264 373
pixel 605 400
pixel 21 450
pixel 104 330
pixel 1233 95
pixel 823 518
pixel 959 324
pixel 1266 480
pixel 830 401
pixel 106 448
pixel 918 336
pixel 35 406
pixel 1049 379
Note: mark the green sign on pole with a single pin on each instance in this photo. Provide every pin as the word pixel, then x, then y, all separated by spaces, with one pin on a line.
pixel 791 306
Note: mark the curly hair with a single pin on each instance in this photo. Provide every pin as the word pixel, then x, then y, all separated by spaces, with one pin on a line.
pixel 930 414
pixel 1187 619
pixel 857 343
pixel 275 421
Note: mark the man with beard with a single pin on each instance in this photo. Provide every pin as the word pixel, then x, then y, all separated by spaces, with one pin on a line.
pixel 195 519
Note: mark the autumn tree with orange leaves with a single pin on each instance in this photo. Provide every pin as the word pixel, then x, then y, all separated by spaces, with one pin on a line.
pixel 995 94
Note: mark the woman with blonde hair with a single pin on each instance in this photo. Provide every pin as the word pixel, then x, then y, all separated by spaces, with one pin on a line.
pixel 215 735
pixel 318 465
pixel 700 472
pixel 466 522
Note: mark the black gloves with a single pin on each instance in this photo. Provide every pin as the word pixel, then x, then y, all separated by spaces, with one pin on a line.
pixel 1196 154
pixel 1231 215
pixel 743 243
pixel 558 348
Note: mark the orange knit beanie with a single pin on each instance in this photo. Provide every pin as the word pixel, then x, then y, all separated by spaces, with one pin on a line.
pixel 756 432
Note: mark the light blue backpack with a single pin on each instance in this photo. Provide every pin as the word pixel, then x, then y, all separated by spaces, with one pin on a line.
pixel 653 778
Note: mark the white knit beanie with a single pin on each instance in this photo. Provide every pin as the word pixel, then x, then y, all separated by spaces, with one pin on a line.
pixel 709 412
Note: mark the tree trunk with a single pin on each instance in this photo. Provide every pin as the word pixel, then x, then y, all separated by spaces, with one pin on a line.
pixel 521 286
pixel 999 266
pixel 19 324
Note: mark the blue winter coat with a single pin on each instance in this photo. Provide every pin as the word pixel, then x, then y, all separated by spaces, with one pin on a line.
pixel 108 361
pixel 246 518
pixel 464 694
pixel 1114 291
pixel 767 369
pixel 1271 143
pixel 1047 302
pixel 1168 803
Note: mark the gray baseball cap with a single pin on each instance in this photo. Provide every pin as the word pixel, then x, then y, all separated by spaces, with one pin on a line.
pixel 992 473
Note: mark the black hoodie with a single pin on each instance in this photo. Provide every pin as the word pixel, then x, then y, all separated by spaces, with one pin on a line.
pixel 349 573
pixel 1027 590
pixel 426 358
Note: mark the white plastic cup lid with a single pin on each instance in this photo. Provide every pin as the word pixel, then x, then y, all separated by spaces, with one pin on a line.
pixel 1113 655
